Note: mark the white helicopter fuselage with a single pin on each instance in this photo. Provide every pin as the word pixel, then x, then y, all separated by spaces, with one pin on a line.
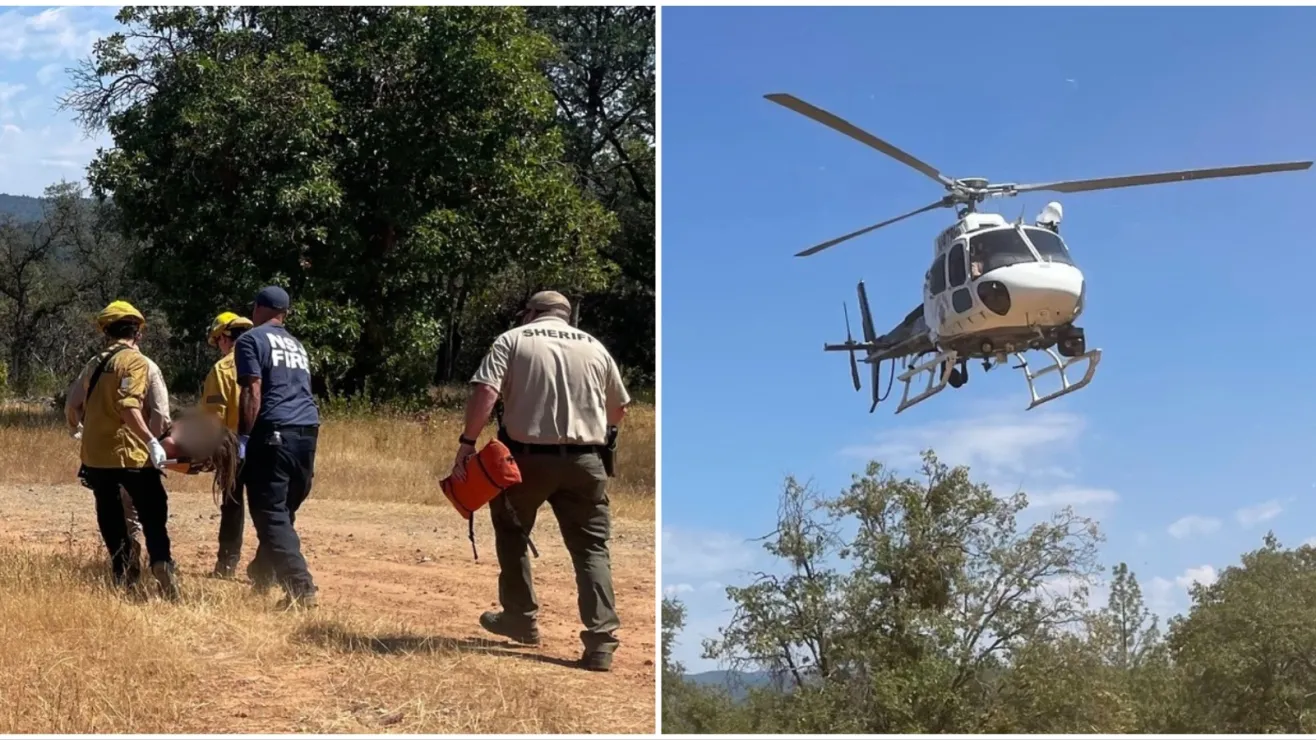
pixel 996 286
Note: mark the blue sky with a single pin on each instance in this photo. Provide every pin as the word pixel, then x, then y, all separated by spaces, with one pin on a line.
pixel 1196 435
pixel 39 145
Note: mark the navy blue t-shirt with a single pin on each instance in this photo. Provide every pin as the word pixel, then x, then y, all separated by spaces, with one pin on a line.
pixel 270 352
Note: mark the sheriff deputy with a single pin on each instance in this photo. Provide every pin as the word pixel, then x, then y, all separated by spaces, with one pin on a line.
pixel 561 391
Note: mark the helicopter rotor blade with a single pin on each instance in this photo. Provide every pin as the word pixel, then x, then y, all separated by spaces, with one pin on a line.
pixel 849 129
pixel 1110 183
pixel 819 247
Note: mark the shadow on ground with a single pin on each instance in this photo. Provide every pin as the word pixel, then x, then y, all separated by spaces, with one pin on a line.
pixel 336 637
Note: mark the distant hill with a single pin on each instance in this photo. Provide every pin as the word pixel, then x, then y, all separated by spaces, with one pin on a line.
pixel 23 207
pixel 735 683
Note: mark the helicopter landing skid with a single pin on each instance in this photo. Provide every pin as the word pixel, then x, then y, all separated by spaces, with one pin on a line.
pixel 1058 365
pixel 938 369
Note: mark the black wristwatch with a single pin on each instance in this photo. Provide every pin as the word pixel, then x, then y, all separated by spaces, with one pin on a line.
pixel 464 440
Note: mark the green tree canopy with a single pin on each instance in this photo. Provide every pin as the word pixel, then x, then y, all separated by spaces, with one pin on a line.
pixel 923 605
pixel 392 167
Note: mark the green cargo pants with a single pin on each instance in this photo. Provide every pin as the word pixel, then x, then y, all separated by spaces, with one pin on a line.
pixel 575 486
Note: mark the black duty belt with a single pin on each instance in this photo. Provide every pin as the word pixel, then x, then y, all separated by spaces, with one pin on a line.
pixel 522 448
pixel 305 431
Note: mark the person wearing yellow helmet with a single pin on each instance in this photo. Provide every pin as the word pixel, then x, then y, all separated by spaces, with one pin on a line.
pixel 155 409
pixel 120 451
pixel 220 397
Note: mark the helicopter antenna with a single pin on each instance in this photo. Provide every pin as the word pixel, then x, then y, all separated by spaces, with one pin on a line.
pixel 1020 220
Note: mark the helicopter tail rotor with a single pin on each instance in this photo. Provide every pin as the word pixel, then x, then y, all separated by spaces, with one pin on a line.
pixel 849 341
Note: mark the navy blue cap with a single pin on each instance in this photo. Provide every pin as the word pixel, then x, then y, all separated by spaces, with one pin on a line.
pixel 274 297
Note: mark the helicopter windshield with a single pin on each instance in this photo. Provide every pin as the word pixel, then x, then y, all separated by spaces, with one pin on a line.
pixel 992 250
pixel 1049 245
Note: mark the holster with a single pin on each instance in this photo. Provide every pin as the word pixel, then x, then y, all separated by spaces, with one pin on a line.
pixel 609 453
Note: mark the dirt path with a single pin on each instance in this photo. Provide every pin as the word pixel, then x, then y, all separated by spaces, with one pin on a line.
pixel 405 564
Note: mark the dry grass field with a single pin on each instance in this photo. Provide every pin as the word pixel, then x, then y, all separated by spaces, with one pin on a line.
pixel 395 645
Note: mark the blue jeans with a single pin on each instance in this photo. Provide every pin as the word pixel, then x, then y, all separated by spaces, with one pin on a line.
pixel 278 472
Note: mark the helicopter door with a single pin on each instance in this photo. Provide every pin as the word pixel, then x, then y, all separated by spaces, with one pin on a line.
pixel 935 307
pixel 957 273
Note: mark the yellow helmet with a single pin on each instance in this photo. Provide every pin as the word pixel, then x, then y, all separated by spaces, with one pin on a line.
pixel 118 311
pixel 222 323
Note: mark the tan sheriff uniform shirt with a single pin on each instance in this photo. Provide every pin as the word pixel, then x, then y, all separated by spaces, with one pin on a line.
pixel 557 383
pixel 220 392
pixel 106 440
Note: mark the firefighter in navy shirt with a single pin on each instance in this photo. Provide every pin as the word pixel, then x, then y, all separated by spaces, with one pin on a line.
pixel 278 426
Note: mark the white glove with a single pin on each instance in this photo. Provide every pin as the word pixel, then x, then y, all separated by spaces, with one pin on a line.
pixel 157 453
pixel 77 434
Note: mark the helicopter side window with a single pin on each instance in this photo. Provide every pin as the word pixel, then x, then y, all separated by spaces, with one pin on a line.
pixel 1049 245
pixel 999 248
pixel 955 266
pixel 939 275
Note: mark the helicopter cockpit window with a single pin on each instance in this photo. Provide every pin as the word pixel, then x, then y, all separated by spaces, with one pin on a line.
pixel 939 275
pixel 955 266
pixel 1049 245
pixel 993 250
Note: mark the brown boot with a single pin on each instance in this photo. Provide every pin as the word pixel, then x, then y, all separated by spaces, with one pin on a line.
pixel 302 601
pixel 503 626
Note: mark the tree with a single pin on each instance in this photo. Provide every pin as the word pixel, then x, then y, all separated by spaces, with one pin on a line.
pixel 1132 630
pixel 53 270
pixel 603 78
pixel 384 164
pixel 687 707
pixel 902 599
pixel 1247 648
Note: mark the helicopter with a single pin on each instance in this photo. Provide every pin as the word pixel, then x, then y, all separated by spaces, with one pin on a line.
pixel 995 288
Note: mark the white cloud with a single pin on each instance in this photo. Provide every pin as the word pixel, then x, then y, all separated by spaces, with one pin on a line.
pixel 1008 451
pixel 678 589
pixel 1098 590
pixel 695 555
pixel 1203 574
pixel 1167 596
pixel 1253 515
pixel 8 90
pixel 49 72
pixel 1193 525
pixel 1310 542
pixel 53 33
pixel 994 445
pixel 1074 496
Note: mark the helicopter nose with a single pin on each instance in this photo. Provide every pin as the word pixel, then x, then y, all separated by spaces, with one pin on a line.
pixel 1045 293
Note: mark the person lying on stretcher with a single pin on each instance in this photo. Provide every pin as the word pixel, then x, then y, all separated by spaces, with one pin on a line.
pixel 198 442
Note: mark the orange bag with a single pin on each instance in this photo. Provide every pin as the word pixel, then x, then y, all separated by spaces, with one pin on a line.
pixel 489 472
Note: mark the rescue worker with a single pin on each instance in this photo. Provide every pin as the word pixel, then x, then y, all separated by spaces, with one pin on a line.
pixel 278 425
pixel 220 397
pixel 561 391
pixel 157 413
pixel 119 450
